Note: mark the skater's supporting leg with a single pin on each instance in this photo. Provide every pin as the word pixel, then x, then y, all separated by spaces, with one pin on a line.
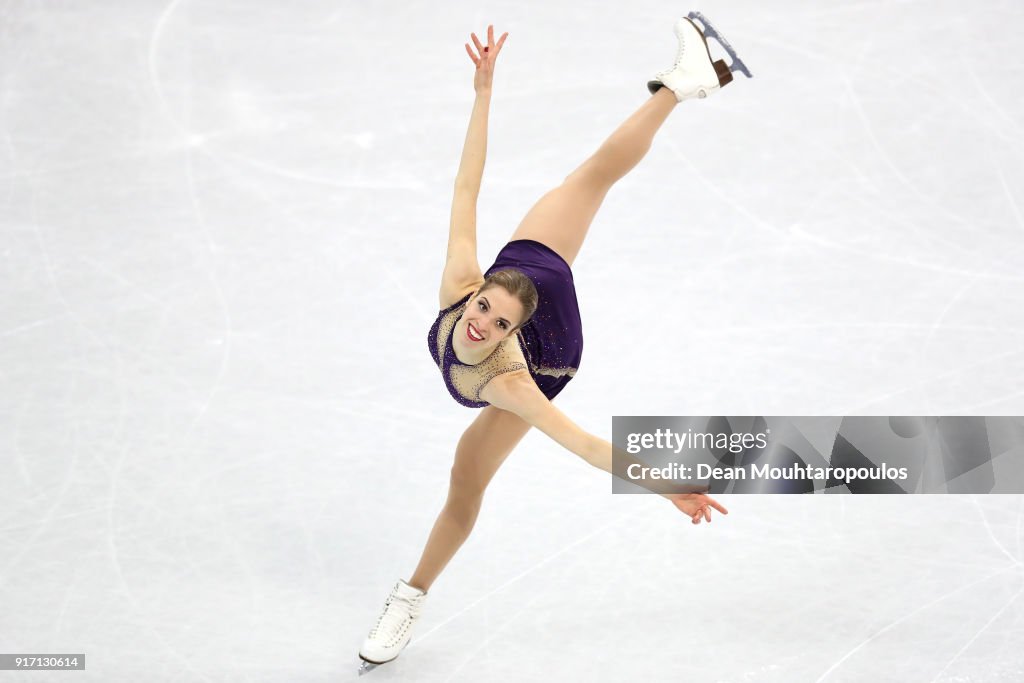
pixel 561 217
pixel 481 451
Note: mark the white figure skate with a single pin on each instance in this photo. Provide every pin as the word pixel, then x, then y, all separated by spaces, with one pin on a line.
pixel 694 73
pixel 394 626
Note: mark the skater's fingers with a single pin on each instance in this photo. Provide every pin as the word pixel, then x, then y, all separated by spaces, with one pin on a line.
pixel 707 515
pixel 501 41
pixel 708 500
pixel 490 35
pixel 476 41
pixel 471 55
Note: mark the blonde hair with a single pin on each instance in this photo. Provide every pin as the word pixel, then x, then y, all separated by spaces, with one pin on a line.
pixel 516 283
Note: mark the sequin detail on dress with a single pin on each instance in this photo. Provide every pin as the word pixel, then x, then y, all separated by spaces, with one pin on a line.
pixel 465 382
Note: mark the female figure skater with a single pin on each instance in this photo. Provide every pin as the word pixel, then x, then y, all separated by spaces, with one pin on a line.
pixel 510 339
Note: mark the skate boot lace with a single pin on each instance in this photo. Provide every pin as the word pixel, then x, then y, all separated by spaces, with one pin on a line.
pixel 397 610
pixel 680 51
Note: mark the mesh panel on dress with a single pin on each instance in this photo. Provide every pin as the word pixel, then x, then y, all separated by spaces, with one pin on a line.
pixel 469 380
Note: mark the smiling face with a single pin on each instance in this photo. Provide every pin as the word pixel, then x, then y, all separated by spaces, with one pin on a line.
pixel 490 317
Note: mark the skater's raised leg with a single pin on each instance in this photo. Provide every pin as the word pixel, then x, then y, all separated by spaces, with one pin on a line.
pixel 484 446
pixel 561 217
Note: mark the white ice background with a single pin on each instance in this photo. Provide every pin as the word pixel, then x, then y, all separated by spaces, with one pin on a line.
pixel 222 439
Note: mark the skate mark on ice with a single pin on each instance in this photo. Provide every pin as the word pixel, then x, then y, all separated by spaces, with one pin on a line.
pixel 728 199
pixel 1020 514
pixel 906 616
pixel 884 155
pixel 998 108
pixel 930 380
pixel 935 327
pixel 493 633
pixel 972 407
pixel 536 566
pixel 980 631
pixel 988 529
pixel 225 332
pixel 1009 197
pixel 192 141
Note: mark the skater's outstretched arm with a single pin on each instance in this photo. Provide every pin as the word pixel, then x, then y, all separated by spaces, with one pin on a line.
pixel 462 270
pixel 519 394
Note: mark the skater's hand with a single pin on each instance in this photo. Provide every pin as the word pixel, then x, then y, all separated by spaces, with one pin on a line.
pixel 696 505
pixel 484 59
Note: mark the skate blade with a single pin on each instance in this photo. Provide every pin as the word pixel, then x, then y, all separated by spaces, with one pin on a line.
pixel 367 667
pixel 709 31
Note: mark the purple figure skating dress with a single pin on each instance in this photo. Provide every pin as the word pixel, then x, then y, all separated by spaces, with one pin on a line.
pixel 550 343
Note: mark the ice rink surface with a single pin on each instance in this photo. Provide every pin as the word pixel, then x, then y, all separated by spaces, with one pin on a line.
pixel 222 439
